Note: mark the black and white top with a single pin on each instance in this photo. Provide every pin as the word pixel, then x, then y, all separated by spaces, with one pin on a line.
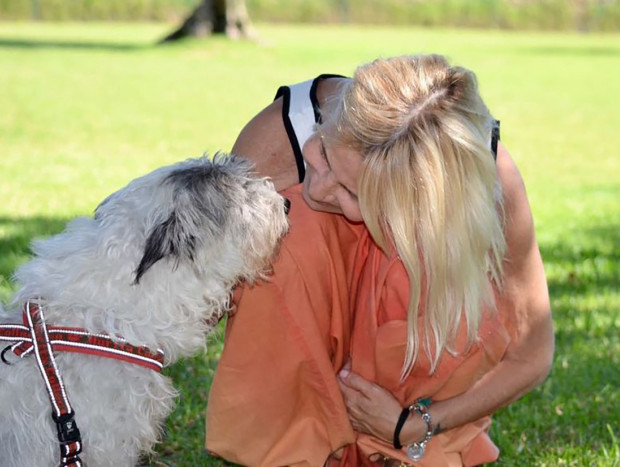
pixel 301 112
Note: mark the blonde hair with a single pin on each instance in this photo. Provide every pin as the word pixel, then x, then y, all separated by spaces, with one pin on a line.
pixel 428 189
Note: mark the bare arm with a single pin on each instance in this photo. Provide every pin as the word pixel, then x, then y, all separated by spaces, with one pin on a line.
pixel 264 142
pixel 524 300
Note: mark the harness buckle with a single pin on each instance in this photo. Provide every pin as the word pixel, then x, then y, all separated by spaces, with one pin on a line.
pixel 68 431
pixel 4 360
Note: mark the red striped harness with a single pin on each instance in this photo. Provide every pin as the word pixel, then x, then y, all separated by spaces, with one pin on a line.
pixel 35 337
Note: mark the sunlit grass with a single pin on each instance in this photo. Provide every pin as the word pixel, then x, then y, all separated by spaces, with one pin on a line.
pixel 87 107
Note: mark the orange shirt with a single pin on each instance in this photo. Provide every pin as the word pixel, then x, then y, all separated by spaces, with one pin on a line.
pixel 275 399
pixel 378 345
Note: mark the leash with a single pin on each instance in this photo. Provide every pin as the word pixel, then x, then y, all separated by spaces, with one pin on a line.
pixel 35 337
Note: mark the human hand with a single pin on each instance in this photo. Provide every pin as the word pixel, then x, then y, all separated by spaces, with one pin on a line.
pixel 372 409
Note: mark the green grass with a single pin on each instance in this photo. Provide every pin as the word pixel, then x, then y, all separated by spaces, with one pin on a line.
pixel 84 108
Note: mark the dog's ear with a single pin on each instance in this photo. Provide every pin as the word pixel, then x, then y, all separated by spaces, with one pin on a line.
pixel 169 238
pixel 203 194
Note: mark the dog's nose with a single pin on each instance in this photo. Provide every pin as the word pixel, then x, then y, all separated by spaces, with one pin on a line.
pixel 287 205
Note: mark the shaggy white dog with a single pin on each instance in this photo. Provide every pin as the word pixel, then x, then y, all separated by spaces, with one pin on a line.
pixel 156 266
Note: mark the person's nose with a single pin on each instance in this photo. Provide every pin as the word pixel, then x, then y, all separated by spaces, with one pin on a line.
pixel 322 188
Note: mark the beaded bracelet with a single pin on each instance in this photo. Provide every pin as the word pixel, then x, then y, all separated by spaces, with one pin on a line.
pixel 426 402
pixel 415 451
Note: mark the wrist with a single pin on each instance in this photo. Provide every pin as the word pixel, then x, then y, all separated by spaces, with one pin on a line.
pixel 414 429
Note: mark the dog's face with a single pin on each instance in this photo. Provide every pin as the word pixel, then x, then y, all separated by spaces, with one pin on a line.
pixel 199 212
pixel 165 250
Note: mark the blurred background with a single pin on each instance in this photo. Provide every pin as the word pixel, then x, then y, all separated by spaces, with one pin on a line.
pixel 92 95
pixel 582 15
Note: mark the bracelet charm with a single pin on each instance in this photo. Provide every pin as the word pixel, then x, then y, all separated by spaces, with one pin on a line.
pixel 415 451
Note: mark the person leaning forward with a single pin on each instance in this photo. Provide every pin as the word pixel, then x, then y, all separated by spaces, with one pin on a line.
pixel 393 329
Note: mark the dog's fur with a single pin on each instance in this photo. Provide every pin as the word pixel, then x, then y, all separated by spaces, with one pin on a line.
pixel 156 266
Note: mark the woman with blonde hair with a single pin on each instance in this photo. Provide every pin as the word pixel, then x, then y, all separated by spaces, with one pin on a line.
pixel 429 319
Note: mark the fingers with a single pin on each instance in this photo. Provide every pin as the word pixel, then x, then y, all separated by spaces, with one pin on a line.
pixel 352 397
pixel 371 408
pixel 355 381
pixel 357 408
pixel 352 401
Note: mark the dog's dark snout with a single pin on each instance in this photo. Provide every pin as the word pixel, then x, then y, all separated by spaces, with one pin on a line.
pixel 287 205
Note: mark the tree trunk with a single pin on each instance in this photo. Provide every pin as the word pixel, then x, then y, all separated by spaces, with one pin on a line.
pixel 228 17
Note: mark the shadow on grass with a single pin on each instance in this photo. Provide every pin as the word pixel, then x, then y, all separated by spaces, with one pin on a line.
pixel 75 45
pixel 589 264
pixel 183 442
pixel 572 411
pixel 584 288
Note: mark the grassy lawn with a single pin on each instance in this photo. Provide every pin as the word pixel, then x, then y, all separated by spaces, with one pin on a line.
pixel 84 108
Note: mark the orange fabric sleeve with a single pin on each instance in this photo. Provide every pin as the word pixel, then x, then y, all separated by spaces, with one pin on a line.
pixel 274 398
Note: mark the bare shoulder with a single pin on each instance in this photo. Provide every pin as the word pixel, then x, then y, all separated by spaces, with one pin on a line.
pixel 329 87
pixel 519 221
pixel 264 141
pixel 509 174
